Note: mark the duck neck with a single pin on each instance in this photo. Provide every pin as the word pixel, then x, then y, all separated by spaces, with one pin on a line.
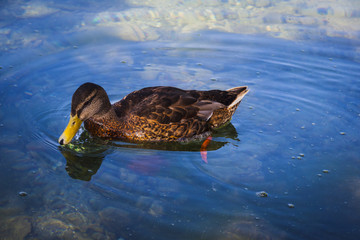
pixel 108 115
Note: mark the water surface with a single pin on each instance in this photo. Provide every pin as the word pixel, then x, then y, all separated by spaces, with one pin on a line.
pixel 295 136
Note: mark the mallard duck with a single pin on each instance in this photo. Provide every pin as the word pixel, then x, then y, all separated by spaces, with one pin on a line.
pixel 151 114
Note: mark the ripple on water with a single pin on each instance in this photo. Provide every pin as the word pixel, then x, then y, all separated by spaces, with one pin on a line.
pixel 298 105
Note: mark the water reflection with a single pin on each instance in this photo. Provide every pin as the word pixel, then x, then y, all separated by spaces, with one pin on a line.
pixel 154 20
pixel 85 156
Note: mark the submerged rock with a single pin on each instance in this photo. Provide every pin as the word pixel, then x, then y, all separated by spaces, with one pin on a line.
pixel 156 209
pixel 15 228
pixel 251 229
pixel 48 227
pixel 114 218
pixel 70 224
pixel 62 220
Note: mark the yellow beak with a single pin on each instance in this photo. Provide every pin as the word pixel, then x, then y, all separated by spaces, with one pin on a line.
pixel 70 130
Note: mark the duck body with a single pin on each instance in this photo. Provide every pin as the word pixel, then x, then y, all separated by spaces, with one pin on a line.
pixel 152 114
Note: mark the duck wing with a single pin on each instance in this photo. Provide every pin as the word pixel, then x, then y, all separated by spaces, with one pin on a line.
pixel 169 105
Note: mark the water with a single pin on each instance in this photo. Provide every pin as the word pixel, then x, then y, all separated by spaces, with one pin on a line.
pixel 295 136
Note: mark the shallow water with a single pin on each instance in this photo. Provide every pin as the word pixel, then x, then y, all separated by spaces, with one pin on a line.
pixel 295 135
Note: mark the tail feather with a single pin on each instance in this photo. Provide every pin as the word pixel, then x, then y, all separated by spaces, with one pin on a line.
pixel 241 92
pixel 223 115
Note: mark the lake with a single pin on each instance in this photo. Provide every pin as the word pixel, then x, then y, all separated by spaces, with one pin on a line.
pixel 287 167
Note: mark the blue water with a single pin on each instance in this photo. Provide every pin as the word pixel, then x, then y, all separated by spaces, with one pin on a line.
pixel 295 135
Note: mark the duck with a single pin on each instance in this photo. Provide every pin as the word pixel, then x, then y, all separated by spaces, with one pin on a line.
pixel 152 114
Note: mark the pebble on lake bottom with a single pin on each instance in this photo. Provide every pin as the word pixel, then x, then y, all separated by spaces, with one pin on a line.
pixel 342 133
pixel 325 171
pixel 23 194
pixel 290 205
pixel 262 194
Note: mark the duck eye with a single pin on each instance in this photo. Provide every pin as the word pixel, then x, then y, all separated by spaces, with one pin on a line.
pixel 73 123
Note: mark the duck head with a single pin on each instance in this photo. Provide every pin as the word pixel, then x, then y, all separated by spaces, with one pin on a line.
pixel 89 100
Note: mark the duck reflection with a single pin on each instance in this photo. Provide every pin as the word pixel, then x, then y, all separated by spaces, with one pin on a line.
pixel 81 166
pixel 85 155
